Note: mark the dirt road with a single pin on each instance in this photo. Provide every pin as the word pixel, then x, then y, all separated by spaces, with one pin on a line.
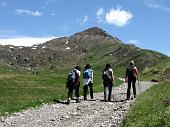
pixel 90 113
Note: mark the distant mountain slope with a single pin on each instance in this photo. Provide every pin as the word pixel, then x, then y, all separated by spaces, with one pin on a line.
pixel 93 46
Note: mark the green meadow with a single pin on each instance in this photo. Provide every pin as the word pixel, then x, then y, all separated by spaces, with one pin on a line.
pixel 21 89
pixel 151 109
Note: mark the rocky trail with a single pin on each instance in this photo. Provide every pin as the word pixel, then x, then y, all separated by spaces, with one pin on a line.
pixel 90 113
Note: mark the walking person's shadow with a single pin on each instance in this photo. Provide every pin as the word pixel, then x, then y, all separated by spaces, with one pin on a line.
pixel 66 103
pixel 58 101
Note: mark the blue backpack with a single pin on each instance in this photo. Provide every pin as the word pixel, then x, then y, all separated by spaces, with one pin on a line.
pixel 87 74
pixel 71 75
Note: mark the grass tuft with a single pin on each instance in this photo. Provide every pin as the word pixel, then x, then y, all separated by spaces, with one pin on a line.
pixel 151 109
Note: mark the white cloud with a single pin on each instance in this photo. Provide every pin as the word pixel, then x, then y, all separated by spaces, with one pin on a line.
pixel 100 11
pixel 28 12
pixel 100 15
pixel 159 6
pixel 2 3
pixel 118 17
pixel 25 41
pixel 53 14
pixel 133 41
pixel 83 20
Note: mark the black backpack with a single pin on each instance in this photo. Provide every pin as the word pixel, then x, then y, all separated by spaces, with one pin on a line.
pixel 131 71
pixel 107 75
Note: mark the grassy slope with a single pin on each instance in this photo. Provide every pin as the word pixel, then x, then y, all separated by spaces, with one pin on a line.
pixel 20 90
pixel 150 64
pixel 157 65
pixel 158 72
pixel 151 109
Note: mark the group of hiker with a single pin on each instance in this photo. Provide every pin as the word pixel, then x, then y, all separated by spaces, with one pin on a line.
pixel 73 81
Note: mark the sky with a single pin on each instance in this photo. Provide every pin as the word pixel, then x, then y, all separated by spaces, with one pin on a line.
pixel 144 23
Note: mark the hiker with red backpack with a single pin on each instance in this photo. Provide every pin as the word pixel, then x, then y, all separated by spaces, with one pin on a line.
pixel 88 81
pixel 130 78
pixel 73 82
pixel 108 79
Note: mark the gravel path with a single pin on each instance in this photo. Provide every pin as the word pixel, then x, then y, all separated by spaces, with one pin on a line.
pixel 90 113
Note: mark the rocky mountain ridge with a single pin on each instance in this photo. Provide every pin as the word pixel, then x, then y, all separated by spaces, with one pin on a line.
pixel 93 45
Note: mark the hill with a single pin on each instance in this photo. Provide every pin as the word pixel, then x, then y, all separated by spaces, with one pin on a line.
pixel 94 46
pixel 21 89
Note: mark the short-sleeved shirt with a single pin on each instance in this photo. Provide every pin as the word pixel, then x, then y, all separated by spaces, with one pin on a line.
pixel 77 72
pixel 87 81
pixel 108 81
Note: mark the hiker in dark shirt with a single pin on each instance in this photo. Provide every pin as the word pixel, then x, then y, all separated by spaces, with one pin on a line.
pixel 73 82
pixel 130 77
pixel 108 79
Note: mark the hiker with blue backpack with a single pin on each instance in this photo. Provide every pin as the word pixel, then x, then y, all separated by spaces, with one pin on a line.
pixel 130 78
pixel 108 79
pixel 73 82
pixel 88 81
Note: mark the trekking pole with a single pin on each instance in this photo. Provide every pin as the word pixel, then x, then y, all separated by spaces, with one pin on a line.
pixel 114 82
pixel 139 85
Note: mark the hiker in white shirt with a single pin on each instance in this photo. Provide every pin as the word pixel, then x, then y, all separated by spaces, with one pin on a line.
pixel 88 81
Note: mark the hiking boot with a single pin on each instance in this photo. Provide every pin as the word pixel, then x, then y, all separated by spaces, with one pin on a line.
pixel 105 100
pixel 127 99
pixel 68 102
pixel 77 101
pixel 131 98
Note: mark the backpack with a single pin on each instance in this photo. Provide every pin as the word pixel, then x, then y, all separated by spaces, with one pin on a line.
pixel 87 74
pixel 107 75
pixel 71 75
pixel 131 71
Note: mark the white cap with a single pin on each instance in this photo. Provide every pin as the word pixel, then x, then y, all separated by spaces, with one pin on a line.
pixel 132 62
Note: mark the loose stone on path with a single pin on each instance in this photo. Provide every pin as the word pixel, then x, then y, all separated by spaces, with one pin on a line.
pixel 90 113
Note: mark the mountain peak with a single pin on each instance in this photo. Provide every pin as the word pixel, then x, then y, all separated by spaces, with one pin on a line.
pixel 93 31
